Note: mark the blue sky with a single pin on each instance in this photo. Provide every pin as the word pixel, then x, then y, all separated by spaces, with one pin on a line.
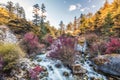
pixel 58 10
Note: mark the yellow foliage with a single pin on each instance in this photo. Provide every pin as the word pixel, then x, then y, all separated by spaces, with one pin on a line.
pixel 10 53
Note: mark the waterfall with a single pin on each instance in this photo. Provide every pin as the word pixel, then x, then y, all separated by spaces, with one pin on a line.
pixel 54 73
pixel 86 65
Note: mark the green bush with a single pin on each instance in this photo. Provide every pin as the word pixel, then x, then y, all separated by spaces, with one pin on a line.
pixel 10 53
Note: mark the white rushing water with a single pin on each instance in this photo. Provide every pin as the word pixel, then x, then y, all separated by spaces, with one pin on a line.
pixel 86 63
pixel 54 73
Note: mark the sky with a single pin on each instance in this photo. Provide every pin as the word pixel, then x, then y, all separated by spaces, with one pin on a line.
pixel 60 10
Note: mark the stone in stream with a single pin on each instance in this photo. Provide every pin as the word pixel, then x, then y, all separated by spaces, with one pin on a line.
pixel 78 69
pixel 44 68
pixel 109 63
pixel 58 65
pixel 65 74
pixel 39 60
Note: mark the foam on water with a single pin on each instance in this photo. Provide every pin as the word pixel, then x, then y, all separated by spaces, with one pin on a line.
pixel 54 73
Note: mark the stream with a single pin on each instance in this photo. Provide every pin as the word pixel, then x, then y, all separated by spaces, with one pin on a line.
pixel 55 69
pixel 57 73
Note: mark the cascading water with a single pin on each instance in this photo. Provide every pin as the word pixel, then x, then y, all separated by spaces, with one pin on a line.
pixel 54 73
pixel 86 63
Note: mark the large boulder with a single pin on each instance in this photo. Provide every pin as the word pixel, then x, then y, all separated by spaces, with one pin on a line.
pixel 109 63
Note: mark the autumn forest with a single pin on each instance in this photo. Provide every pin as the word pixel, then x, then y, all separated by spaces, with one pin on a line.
pixel 87 48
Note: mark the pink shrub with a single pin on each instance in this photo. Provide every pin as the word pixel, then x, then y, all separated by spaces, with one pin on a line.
pixel 98 47
pixel 63 49
pixel 31 44
pixel 31 39
pixel 91 38
pixel 113 46
pixel 35 71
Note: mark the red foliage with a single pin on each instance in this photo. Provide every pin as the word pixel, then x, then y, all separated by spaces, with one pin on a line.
pixel 34 72
pixel 113 45
pixel 63 49
pixel 31 39
pixel 38 69
pixel 49 39
pixel 31 43
pixel 98 47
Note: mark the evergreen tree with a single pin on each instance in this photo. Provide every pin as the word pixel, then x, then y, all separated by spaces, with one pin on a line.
pixel 69 26
pixel 61 27
pixel 75 23
pixel 42 20
pixel 36 16
pixel 17 6
pixel 21 12
pixel 108 24
pixel 10 6
pixel 43 11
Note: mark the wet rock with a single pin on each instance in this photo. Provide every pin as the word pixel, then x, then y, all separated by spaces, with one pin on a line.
pixel 65 74
pixel 43 74
pixel 109 64
pixel 44 68
pixel 58 65
pixel 50 67
pixel 39 60
pixel 93 78
pixel 80 77
pixel 78 69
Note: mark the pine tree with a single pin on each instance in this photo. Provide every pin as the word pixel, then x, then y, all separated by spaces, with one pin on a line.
pixel 36 16
pixel 61 27
pixel 108 24
pixel 69 26
pixel 42 20
pixel 43 11
pixel 10 6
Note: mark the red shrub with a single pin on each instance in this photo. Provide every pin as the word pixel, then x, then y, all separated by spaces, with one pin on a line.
pixel 98 47
pixel 34 72
pixel 63 49
pixel 113 46
pixel 31 39
pixel 31 44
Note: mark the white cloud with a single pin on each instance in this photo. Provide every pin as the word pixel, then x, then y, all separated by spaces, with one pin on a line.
pixel 93 6
pixel 83 9
pixel 74 7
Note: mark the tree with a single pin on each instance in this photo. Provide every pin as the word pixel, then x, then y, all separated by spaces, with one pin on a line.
pixel 36 16
pixel 82 22
pixel 98 23
pixel 43 11
pixel 61 27
pixel 42 20
pixel 17 6
pixel 10 6
pixel 21 12
pixel 108 24
pixel 75 23
pixel 69 26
